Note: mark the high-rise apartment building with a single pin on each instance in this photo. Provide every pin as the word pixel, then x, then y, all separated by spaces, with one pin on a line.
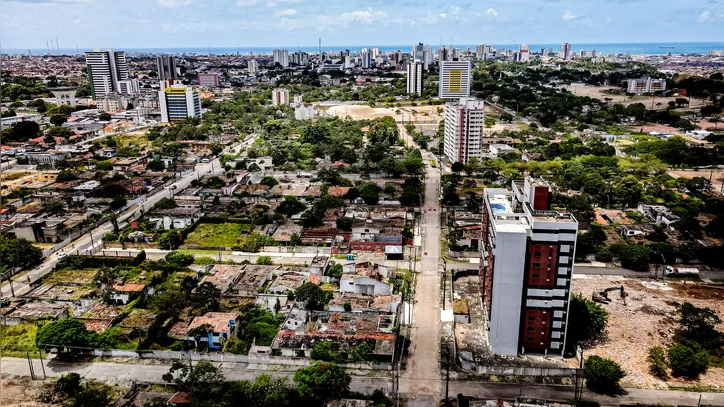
pixel 422 53
pixel 280 96
pixel 252 66
pixel 464 123
pixel 300 58
pixel 524 53
pixel 646 85
pixel 166 67
pixel 526 269
pixel 209 80
pixel 129 87
pixel 455 77
pixel 178 102
pixel 414 78
pixel 480 51
pixel 281 57
pixel 566 51
pixel 105 69
pixel 366 57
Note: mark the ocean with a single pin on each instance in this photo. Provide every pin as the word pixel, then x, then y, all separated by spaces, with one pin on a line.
pixel 654 48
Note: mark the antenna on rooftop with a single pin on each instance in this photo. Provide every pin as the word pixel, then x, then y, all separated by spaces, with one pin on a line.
pixel 77 50
pixel 57 47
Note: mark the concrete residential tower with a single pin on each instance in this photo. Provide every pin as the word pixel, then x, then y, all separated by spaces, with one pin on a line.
pixel 526 268
pixel 166 67
pixel 464 122
pixel 280 96
pixel 414 78
pixel 177 102
pixel 455 77
pixel 105 69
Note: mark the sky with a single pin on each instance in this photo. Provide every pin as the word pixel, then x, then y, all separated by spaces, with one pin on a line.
pixel 263 23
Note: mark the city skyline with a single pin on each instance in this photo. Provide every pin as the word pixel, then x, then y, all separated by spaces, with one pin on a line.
pixel 192 23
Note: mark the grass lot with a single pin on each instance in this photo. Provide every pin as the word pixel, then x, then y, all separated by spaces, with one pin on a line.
pixel 84 276
pixel 137 139
pixel 216 234
pixel 15 340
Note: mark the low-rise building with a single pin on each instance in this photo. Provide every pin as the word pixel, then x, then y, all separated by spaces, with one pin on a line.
pixel 175 218
pixel 123 293
pixel 658 214
pixel 220 325
pixel 36 311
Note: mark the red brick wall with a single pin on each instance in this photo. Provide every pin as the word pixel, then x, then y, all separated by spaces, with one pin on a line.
pixel 542 264
pixel 536 329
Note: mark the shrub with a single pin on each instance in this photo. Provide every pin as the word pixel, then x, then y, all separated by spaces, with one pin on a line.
pixel 658 364
pixel 264 260
pixel 688 360
pixel 602 375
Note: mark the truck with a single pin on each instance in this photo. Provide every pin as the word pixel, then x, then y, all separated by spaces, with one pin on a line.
pixel 681 271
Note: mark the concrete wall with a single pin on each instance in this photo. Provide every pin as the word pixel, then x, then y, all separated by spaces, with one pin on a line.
pixel 525 371
pixel 507 292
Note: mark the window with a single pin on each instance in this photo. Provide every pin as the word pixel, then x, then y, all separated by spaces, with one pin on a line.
pixel 532 318
pixel 529 339
pixel 536 276
pixel 531 329
pixel 537 254
pixel 536 265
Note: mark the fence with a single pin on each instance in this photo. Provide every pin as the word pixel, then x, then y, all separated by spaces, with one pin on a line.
pixel 172 355
pixel 526 371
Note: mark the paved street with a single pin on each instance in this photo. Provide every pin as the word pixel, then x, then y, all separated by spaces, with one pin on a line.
pixel 422 376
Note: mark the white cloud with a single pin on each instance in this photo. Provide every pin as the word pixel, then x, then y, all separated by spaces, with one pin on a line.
pixel 274 3
pixel 289 24
pixel 285 12
pixel 569 16
pixel 173 3
pixel 455 10
pixel 443 15
pixel 491 12
pixel 430 19
pixel 366 17
pixel 247 3
pixel 704 16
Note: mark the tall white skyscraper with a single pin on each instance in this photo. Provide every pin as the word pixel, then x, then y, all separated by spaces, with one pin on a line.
pixel 524 53
pixel 464 123
pixel 105 69
pixel 281 57
pixel 414 78
pixel 422 53
pixel 455 77
pixel 566 51
pixel 177 102
pixel 252 66
pixel 166 67
pixel 480 52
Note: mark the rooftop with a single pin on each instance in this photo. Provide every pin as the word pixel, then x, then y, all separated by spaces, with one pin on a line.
pixel 219 321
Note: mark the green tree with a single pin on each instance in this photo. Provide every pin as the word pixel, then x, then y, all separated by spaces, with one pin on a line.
pixel 264 260
pixel 168 240
pixel 316 134
pixel 59 131
pixel 348 306
pixel 118 203
pixel 336 271
pixel 322 381
pixel 602 375
pixel 203 381
pixel 290 206
pixel 295 240
pixel 66 332
pixel 699 325
pixel 628 191
pixel 315 297
pixel 68 384
pixel 688 361
pixel 206 298
pixel 344 224
pixel 658 364
pixel 104 117
pixel 179 259
pixel 58 119
pixel 269 181
pixel 325 351
pixel 65 176
pixel 370 193
pixel 586 320
pixel 16 252
pixel 165 203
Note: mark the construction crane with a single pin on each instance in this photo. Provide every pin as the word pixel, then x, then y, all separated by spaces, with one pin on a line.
pixel 602 296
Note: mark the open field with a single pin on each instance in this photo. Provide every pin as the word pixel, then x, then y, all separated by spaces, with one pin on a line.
pixel 645 319
pixel 216 234
pixel 714 175
pixel 137 138
pixel 15 340
pixel 82 276
pixel 598 93
pixel 417 114
pixel 12 180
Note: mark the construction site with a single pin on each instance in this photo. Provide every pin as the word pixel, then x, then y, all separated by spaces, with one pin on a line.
pixel 643 317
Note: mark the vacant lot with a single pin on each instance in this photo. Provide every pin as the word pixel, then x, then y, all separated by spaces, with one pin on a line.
pixel 132 139
pixel 83 276
pixel 216 234
pixel 715 176
pixel 25 392
pixel 15 340
pixel 645 319
pixel 599 92
pixel 415 114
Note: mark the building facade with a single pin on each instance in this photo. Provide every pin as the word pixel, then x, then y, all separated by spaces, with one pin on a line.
pixel 129 87
pixel 105 70
pixel 252 66
pixel 524 53
pixel 526 268
pixel 166 67
pixel 645 85
pixel 280 96
pixel 464 123
pixel 281 57
pixel 178 102
pixel 565 51
pixel 414 78
pixel 455 78
pixel 209 80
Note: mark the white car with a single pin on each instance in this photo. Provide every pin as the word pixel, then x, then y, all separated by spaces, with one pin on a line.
pixel 62 255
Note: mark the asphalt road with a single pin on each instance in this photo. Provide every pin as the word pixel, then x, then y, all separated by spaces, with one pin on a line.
pixel 21 285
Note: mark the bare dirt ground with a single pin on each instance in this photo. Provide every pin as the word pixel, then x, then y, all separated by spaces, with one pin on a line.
pixel 598 93
pixel 645 319
pixel 716 176
pixel 12 180
pixel 23 392
pixel 416 114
